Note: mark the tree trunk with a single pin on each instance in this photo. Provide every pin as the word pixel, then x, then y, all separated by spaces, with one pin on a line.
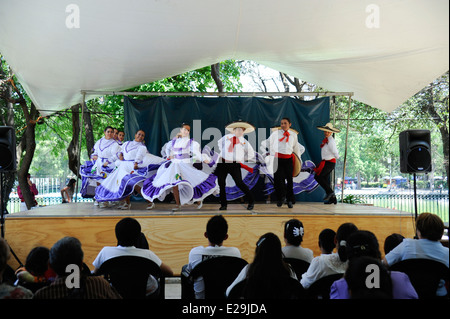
pixel 89 132
pixel 72 149
pixel 215 73
pixel 429 108
pixel 29 146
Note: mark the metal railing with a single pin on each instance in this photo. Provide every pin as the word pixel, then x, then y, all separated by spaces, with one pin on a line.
pixel 430 202
pixel 13 205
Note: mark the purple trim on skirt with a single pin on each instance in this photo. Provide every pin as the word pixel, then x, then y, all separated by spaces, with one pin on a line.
pixel 206 188
pixel 126 188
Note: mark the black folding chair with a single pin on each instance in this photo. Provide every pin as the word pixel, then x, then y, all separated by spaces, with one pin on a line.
pixel 129 276
pixel 287 288
pixel 300 266
pixel 218 274
pixel 424 274
pixel 320 289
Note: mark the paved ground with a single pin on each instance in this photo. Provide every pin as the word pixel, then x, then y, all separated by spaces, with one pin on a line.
pixel 173 288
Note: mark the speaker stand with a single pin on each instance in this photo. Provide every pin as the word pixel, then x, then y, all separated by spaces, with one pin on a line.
pixel 3 212
pixel 415 197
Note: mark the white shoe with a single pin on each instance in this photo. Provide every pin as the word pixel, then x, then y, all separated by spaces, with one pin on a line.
pixel 150 206
pixel 199 206
pixel 125 206
pixel 176 208
pixel 103 205
pixel 95 203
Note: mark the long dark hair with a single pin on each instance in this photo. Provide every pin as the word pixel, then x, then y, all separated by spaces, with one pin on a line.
pixel 266 272
pixel 362 285
pixel 342 234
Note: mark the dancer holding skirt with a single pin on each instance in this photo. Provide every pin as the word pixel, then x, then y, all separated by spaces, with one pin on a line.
pixel 181 174
pixel 135 164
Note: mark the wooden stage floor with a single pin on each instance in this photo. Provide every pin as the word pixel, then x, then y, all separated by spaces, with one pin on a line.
pixel 171 235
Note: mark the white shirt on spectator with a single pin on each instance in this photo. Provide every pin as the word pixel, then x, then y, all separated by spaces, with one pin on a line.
pixel 118 251
pixel 298 252
pixel 321 266
pixel 200 253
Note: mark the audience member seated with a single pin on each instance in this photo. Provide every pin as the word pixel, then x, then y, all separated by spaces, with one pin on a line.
pixel 327 241
pixel 36 273
pixel 216 233
pixel 8 291
pixel 356 278
pixel 293 237
pixel 128 234
pixel 392 241
pixel 267 274
pixel 67 251
pixel 365 244
pixel 429 230
pixel 330 264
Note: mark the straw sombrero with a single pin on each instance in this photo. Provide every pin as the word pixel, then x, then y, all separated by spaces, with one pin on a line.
pixel 328 128
pixel 248 128
pixel 276 128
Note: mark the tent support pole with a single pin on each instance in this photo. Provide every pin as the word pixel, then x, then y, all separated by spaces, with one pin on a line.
pixel 333 173
pixel 346 143
pixel 83 104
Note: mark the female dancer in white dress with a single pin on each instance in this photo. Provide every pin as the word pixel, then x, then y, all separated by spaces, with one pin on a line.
pixel 102 161
pixel 134 166
pixel 179 174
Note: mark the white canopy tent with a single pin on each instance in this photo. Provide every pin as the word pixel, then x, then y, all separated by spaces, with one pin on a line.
pixel 382 50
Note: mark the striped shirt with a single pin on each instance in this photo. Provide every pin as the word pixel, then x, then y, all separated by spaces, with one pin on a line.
pixel 92 287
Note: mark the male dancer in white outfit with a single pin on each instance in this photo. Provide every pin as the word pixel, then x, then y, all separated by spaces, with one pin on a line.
pixel 282 144
pixel 234 151
pixel 329 155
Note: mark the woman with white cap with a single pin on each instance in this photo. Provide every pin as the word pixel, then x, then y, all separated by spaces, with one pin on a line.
pixel 329 156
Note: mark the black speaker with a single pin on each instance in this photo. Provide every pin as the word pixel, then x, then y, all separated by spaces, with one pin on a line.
pixel 7 149
pixel 415 151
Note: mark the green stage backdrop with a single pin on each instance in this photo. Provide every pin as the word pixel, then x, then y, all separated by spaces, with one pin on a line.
pixel 160 118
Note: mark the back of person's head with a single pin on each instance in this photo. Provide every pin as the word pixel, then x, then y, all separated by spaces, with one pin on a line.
pixel 66 251
pixel 430 226
pixel 326 240
pixel 4 255
pixel 37 261
pixel 392 241
pixel 217 229
pixel 293 232
pixel 363 243
pixel 267 270
pixel 128 232
pixel 72 182
pixel 342 234
pixel 368 278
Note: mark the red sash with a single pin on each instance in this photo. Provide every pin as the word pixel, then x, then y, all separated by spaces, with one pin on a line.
pixel 319 168
pixel 280 155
